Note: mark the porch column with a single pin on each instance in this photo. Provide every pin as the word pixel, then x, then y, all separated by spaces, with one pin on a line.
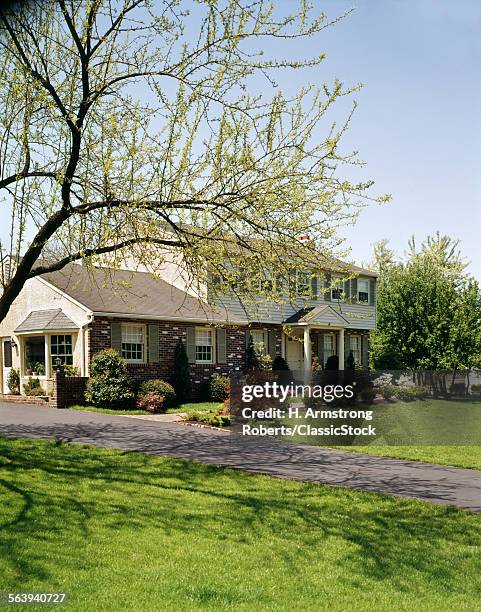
pixel 307 354
pixel 341 349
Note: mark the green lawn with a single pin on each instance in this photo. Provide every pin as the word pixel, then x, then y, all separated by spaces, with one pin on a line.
pixel 126 531
pixel 459 456
pixel 188 408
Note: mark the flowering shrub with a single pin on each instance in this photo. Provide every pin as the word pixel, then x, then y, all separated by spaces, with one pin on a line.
pixel 151 401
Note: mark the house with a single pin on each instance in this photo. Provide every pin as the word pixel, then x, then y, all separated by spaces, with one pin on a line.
pixel 65 317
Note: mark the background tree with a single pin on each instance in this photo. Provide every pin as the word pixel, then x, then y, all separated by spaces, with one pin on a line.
pixel 429 311
pixel 126 123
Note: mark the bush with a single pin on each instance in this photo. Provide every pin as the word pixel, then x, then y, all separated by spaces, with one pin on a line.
pixel 152 402
pixel 476 389
pixel 219 388
pixel 265 362
pixel 210 418
pixel 70 370
pixel 161 388
pixel 13 382
pixel 181 373
pixel 252 360
pixel 332 362
pixel 280 364
pixel 108 386
pixel 33 388
pixel 405 394
pixel 368 394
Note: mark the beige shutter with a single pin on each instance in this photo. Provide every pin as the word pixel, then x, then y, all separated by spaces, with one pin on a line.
pixel 190 344
pixel 116 337
pixel 221 338
pixel 153 331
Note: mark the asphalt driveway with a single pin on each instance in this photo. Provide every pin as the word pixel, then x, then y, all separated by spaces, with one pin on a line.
pixel 433 483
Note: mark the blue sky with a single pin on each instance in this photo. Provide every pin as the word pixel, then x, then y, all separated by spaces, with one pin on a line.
pixel 418 123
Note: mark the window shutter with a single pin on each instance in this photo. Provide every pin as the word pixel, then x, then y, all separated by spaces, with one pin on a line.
pixel 153 331
pixel 190 345
pixel 365 350
pixel 221 338
pixel 314 285
pixel 347 290
pixel 354 289
pixel 7 354
pixel 248 337
pixel 372 292
pixel 116 337
pixel 327 294
pixel 272 343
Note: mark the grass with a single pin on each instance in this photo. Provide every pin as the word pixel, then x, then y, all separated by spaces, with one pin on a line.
pixel 127 531
pixel 189 408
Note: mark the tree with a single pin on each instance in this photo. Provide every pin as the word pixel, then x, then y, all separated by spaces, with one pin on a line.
pixel 252 360
pixel 127 125
pixel 181 373
pixel 429 311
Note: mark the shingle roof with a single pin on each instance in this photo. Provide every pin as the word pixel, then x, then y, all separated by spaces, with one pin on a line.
pixel 104 290
pixel 322 314
pixel 39 320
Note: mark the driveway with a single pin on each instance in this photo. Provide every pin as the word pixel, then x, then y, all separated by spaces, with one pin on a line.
pixel 433 483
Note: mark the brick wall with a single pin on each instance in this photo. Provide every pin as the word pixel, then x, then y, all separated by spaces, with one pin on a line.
pixel 169 334
pixel 67 390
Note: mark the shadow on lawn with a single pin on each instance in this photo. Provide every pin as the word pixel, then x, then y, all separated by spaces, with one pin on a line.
pixel 62 496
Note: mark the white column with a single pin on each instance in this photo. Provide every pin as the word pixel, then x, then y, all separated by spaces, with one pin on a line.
pixel 341 349
pixel 307 354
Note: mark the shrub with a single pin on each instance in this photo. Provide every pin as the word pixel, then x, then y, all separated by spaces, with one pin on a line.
pixel 476 389
pixel 252 360
pixel 265 362
pixel 409 394
pixel 13 381
pixel 368 394
pixel 108 385
pixel 160 387
pixel 70 370
pixel 332 362
pixel 219 388
pixel 151 401
pixel 181 374
pixel 210 418
pixel 33 388
pixel 387 391
pixel 280 363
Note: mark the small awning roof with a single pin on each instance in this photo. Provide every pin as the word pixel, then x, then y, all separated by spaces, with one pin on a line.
pixel 322 316
pixel 45 320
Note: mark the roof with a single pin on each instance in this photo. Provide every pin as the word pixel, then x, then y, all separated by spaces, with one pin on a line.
pixel 130 293
pixel 324 315
pixel 40 320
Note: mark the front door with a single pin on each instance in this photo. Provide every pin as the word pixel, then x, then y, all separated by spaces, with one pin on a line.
pixel 7 362
pixel 295 354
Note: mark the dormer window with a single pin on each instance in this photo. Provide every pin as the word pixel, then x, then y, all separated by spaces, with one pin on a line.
pixel 363 291
pixel 337 292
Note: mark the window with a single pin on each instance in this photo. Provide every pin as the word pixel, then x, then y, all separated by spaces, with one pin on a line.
pixel 355 347
pixel 303 283
pixel 61 348
pixel 133 342
pixel 204 351
pixel 363 291
pixel 329 346
pixel 337 292
pixel 35 355
pixel 259 339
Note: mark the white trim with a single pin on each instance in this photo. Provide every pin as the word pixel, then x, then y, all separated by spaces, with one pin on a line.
pixel 213 345
pixel 144 342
